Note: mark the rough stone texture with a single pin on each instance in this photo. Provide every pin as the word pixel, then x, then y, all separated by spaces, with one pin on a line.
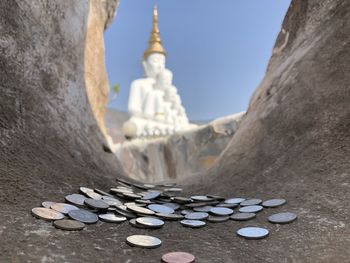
pixel 178 156
pixel 293 143
pixel 114 120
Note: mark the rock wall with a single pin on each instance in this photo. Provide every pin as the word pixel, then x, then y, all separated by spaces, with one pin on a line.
pixel 178 156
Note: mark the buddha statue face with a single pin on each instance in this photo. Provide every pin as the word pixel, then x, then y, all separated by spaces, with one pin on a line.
pixel 165 78
pixel 154 64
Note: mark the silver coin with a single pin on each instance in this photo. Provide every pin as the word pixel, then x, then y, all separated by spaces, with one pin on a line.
pixel 193 205
pixel 76 199
pixel 83 216
pixel 131 196
pixel 94 195
pixel 149 186
pixel 140 210
pixel 205 209
pixel 282 218
pixel 217 219
pixel 120 190
pixel 103 193
pixel 186 211
pixel 234 201
pixel 111 201
pixel 151 195
pixel 112 218
pixel 221 211
pixel 274 202
pixel 68 224
pixel 170 216
pixel 243 216
pixel 128 215
pixel 161 209
pixel 47 204
pixel 253 232
pixel 227 205
pixel 217 197
pixel 174 189
pixel 251 202
pixel 201 198
pixel 47 214
pixel 143 241
pixel 197 216
pixel 96 204
pixel 172 205
pixel 133 223
pixel 150 222
pixel 84 190
pixel 192 223
pixel 63 207
pixel 146 202
pixel 251 209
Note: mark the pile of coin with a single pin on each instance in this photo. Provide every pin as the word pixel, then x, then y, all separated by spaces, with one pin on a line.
pixel 150 206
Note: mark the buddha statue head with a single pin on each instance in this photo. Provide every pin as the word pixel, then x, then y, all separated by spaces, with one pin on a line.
pixel 153 64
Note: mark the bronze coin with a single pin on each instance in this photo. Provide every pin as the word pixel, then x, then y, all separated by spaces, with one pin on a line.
pixel 47 213
pixel 68 224
pixel 178 257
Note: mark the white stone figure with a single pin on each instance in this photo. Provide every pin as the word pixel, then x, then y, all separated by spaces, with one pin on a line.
pixel 154 105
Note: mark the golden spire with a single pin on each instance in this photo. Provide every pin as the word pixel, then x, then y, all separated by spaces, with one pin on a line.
pixel 154 43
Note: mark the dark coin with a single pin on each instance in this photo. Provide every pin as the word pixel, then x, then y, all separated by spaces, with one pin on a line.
pixel 76 199
pixel 170 216
pixel 47 204
pixel 192 223
pixel 217 197
pixel 227 205
pixel 251 202
pixel 201 198
pixel 161 209
pixel 150 222
pixel 243 216
pixel 274 202
pixel 182 200
pixel 151 195
pixel 253 232
pixel 172 205
pixel 143 241
pixel 221 211
pixel 234 201
pixel 218 219
pixel 251 209
pixel 111 201
pixel 178 257
pixel 96 204
pixel 131 196
pixel 84 190
pixel 205 209
pixel 197 216
pixel 68 224
pixel 186 211
pixel 193 205
pixel 282 218
pixel 112 218
pixel 140 210
pixel 46 214
pixel 83 216
pixel 94 195
pixel 63 208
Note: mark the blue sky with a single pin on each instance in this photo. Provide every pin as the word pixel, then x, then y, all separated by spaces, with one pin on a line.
pixel 218 50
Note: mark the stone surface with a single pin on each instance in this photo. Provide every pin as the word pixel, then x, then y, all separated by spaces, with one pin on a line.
pixel 177 156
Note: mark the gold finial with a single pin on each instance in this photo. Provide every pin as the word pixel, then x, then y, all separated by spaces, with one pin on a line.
pixel 154 43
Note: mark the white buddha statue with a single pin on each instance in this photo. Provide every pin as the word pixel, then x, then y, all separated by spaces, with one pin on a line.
pixel 154 104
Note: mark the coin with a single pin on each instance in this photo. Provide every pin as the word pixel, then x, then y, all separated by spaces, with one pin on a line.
pixel 96 204
pixel 192 223
pixel 140 210
pixel 234 201
pixel 63 208
pixel 193 205
pixel 103 193
pixel 182 200
pixel 203 209
pixel 282 218
pixel 146 202
pixel 133 223
pixel 251 209
pixel 150 222
pixel 174 189
pixel 94 195
pixel 178 257
pixel 161 209
pixel 111 201
pixel 217 219
pixel 75 199
pixel 112 218
pixel 197 216
pixel 274 202
pixel 251 202
pixel 243 216
pixel 151 195
pixel 172 205
pixel 125 213
pixel 68 224
pixel 131 196
pixel 253 232
pixel 227 205
pixel 170 216
pixel 84 190
pixel 83 216
pixel 143 241
pixel 201 198
pixel 120 190
pixel 221 211
pixel 217 197
pixel 47 204
pixel 47 213
pixel 149 186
